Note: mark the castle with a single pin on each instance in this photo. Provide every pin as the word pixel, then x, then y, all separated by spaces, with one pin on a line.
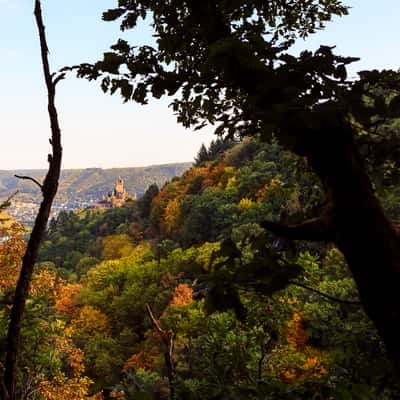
pixel 117 197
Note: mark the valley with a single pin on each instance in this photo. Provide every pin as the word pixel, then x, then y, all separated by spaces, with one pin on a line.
pixel 80 188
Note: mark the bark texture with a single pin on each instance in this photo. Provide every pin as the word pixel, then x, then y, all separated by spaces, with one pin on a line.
pixel 365 236
pixel 357 224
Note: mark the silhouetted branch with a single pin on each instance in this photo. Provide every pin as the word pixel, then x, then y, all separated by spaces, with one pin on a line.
pixel 327 296
pixel 29 178
pixel 59 78
pixel 315 229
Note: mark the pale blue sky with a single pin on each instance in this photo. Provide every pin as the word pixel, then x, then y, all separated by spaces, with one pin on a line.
pixel 100 131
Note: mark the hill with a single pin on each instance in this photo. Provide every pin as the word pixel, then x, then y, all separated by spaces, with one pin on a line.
pixel 251 316
pixel 90 183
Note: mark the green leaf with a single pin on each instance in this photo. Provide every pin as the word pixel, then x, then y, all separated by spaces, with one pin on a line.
pixel 112 15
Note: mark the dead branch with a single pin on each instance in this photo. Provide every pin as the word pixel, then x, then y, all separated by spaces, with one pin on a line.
pixel 167 339
pixel 29 178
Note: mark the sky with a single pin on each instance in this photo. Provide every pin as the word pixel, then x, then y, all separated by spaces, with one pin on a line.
pixel 99 130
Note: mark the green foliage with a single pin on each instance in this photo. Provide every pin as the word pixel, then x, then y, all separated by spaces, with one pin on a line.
pixel 116 246
pixel 215 152
pixel 253 322
pixel 144 203
pixel 210 215
pixel 75 235
pixel 202 155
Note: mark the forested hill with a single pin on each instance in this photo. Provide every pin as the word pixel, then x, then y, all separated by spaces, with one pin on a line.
pixel 91 182
pixel 251 316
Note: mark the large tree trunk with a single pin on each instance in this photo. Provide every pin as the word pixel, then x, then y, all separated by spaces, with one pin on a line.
pixel 362 232
pixel 355 221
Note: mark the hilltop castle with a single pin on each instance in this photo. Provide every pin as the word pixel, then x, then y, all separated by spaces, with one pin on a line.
pixel 117 197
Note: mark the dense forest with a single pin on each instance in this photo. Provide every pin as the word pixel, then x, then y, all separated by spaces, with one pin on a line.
pixel 269 270
pixel 183 294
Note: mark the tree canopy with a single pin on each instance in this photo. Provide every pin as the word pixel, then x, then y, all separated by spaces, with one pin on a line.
pixel 230 64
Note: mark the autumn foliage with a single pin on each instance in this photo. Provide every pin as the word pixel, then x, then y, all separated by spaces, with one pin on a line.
pixel 314 364
pixel 65 299
pixel 182 296
pixel 12 248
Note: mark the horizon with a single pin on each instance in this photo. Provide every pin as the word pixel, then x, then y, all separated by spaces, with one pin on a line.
pixel 98 168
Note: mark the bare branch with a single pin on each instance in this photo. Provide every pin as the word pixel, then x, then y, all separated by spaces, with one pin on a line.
pixel 167 339
pixel 29 178
pixel 154 321
pixel 58 78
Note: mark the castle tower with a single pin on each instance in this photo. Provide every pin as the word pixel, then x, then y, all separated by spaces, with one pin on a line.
pixel 119 189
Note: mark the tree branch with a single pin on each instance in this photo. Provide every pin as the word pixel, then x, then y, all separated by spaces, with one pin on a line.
pixel 6 203
pixel 327 296
pixel 29 178
pixel 315 229
pixel 167 339
pixel 58 78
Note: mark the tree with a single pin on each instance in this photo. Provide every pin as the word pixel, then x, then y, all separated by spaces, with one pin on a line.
pixel 218 147
pixel 49 189
pixel 116 246
pixel 144 203
pixel 228 63
pixel 202 156
pixel 215 151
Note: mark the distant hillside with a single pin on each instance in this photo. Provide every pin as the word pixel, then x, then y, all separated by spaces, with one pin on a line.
pixel 91 182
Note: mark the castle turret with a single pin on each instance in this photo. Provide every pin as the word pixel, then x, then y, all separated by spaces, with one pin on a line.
pixel 119 189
